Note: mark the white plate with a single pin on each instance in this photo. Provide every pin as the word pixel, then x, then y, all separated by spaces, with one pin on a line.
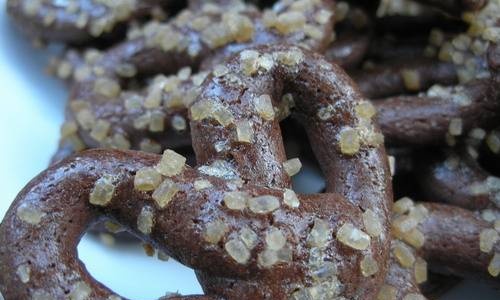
pixel 31 114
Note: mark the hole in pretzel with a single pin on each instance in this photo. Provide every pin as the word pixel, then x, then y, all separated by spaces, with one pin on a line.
pixel 310 179
pixel 124 267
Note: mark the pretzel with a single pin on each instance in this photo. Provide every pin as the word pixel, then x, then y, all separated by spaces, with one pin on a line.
pixel 352 35
pixel 437 115
pixel 403 119
pixel 405 270
pixel 445 234
pixel 437 228
pixel 243 229
pixel 78 22
pixel 103 112
pixel 418 121
pixel 454 176
pixel 386 80
pixel 447 175
pixel 359 36
pixel 457 178
pixel 456 6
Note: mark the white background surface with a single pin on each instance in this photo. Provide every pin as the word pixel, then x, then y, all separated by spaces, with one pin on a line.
pixel 30 115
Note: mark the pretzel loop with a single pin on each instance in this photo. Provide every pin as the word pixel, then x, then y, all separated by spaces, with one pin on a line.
pixel 247 235
pixel 238 101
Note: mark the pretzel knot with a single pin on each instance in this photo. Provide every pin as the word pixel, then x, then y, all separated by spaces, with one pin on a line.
pixel 234 218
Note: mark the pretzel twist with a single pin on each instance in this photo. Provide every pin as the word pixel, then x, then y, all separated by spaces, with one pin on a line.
pixel 203 228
